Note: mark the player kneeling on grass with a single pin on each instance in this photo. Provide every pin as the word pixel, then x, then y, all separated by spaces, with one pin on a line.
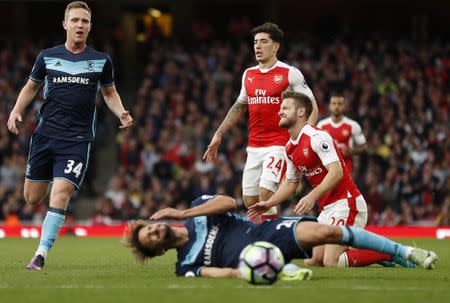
pixel 209 243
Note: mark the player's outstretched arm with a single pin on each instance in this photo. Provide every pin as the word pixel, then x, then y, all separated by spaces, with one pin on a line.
pixel 217 272
pixel 232 117
pixel 333 176
pixel 216 206
pixel 26 95
pixel 114 103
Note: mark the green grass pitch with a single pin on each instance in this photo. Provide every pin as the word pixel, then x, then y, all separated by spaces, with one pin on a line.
pixel 101 270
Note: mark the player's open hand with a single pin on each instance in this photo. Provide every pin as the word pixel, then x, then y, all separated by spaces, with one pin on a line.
pixel 305 205
pixel 168 213
pixel 258 209
pixel 13 121
pixel 210 154
pixel 126 120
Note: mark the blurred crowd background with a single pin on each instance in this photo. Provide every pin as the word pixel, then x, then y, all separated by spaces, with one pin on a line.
pixel 396 86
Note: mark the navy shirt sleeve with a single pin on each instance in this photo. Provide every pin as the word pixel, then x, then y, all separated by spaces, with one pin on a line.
pixel 200 200
pixel 107 73
pixel 38 71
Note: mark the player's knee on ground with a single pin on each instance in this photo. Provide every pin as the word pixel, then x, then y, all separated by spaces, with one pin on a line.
pixel 330 261
pixel 313 262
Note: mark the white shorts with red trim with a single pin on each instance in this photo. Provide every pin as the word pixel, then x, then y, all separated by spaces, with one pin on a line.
pixel 351 212
pixel 265 167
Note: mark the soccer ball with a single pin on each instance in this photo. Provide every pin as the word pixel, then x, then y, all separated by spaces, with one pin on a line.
pixel 260 263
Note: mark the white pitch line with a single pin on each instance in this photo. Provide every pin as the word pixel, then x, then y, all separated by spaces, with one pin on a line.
pixel 243 286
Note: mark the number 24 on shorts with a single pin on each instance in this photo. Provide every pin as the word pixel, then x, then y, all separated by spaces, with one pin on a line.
pixel 278 165
pixel 70 168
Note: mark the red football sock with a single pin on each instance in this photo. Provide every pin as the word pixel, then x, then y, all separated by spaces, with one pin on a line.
pixel 365 257
pixel 256 219
pixel 272 213
pixel 265 217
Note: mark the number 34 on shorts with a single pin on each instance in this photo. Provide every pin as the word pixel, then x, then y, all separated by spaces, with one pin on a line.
pixel 71 170
pixel 72 167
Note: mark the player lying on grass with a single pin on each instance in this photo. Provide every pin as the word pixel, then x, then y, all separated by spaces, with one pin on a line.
pixel 209 243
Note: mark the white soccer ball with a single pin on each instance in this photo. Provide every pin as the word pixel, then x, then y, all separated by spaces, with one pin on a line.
pixel 260 263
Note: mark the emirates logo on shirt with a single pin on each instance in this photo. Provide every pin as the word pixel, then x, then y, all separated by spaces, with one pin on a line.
pixel 306 152
pixel 278 79
pixel 310 172
pixel 261 98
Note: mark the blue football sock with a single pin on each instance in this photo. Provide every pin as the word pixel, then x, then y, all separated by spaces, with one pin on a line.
pixel 53 222
pixel 360 238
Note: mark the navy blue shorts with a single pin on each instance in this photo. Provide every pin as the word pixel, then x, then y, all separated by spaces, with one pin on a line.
pixel 281 232
pixel 50 159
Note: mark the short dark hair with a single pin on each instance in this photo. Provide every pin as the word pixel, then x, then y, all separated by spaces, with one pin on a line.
pixel 334 95
pixel 275 33
pixel 301 100
pixel 131 239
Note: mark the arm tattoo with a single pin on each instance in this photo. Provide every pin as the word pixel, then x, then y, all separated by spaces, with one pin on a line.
pixel 233 116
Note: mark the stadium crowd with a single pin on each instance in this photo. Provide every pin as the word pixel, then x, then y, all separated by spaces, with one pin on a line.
pixel 399 91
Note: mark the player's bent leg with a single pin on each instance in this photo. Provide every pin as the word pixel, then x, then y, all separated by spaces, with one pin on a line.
pixel 60 194
pixel 54 220
pixel 311 234
pixel 331 254
pixel 251 178
pixel 364 257
pixel 317 257
pixel 359 238
pixel 264 195
pixel 34 192
pixel 250 200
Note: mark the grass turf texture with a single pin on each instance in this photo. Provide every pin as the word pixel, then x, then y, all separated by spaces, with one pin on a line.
pixel 101 270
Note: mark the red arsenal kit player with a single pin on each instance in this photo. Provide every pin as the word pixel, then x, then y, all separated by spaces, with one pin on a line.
pixel 346 132
pixel 261 91
pixel 313 153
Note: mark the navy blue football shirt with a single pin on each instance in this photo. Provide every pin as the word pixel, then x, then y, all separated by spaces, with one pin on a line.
pixel 71 83
pixel 217 241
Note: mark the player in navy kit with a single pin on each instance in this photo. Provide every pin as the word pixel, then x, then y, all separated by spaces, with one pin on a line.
pixel 72 74
pixel 209 243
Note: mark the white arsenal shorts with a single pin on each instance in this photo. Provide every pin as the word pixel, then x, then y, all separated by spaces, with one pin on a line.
pixel 265 167
pixel 351 212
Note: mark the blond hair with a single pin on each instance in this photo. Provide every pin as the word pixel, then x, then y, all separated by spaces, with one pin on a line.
pixel 76 4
